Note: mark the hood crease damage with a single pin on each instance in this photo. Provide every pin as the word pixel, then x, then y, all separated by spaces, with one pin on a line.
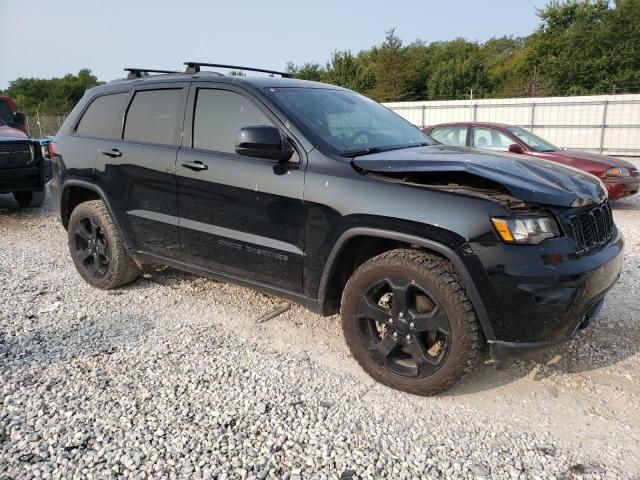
pixel 511 180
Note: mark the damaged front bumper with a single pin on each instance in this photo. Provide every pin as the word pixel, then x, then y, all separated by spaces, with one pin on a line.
pixel 538 297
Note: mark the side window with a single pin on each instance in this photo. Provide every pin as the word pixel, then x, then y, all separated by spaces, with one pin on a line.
pixel 219 116
pixel 99 120
pixel 491 139
pixel 450 135
pixel 6 115
pixel 152 116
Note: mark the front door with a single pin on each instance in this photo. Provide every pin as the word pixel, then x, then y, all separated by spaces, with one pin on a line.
pixel 239 216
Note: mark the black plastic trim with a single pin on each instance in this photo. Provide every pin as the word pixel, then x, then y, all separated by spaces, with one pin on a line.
pixel 149 258
pixel 443 250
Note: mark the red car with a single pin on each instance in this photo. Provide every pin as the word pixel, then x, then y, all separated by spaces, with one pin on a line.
pixel 620 177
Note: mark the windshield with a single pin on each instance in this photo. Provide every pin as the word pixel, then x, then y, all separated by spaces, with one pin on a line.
pixel 533 141
pixel 346 123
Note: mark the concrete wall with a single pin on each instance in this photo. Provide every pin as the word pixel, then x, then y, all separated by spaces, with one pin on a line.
pixel 609 124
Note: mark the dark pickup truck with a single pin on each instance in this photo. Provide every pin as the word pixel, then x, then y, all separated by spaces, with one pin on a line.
pixel 25 166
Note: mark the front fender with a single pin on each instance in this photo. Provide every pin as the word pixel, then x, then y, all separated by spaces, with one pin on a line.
pixel 452 255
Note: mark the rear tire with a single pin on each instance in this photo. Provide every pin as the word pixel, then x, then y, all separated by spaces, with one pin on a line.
pixel 409 323
pixel 30 199
pixel 97 249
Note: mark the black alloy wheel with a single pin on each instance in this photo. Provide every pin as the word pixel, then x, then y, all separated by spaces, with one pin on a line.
pixel 408 321
pixel 92 247
pixel 403 327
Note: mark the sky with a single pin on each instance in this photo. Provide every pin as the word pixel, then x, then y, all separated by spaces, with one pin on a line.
pixel 49 38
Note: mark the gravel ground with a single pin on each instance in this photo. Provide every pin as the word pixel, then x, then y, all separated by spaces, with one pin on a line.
pixel 171 377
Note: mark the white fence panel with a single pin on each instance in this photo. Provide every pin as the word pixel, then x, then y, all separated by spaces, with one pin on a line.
pixel 608 124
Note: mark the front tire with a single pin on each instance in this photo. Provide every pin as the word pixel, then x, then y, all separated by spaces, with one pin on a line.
pixel 97 249
pixel 409 323
pixel 30 199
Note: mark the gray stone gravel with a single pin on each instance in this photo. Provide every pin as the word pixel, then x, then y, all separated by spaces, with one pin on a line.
pixel 170 377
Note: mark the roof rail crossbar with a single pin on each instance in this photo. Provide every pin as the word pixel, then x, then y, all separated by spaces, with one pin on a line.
pixel 141 72
pixel 194 67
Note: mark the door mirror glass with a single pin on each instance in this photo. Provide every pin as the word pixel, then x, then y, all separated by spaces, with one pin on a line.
pixel 515 148
pixel 19 119
pixel 263 142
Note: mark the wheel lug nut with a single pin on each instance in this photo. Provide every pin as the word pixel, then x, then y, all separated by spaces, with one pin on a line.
pixel 394 334
pixel 408 337
pixel 412 325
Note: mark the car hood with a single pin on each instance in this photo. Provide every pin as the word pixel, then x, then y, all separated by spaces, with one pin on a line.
pixel 11 134
pixel 528 179
pixel 605 160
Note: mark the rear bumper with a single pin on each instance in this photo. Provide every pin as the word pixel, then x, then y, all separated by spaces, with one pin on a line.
pixel 537 297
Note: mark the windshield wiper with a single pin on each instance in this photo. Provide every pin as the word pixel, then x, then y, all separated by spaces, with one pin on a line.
pixel 371 150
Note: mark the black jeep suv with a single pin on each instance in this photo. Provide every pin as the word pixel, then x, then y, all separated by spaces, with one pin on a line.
pixel 324 197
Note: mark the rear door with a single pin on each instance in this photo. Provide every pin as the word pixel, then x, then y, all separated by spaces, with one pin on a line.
pixel 238 215
pixel 137 171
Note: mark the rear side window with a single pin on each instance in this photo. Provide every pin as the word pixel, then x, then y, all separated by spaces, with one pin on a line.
pixel 450 135
pixel 6 115
pixel 219 116
pixel 99 120
pixel 152 116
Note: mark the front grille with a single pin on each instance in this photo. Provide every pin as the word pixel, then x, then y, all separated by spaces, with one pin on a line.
pixel 590 227
pixel 15 154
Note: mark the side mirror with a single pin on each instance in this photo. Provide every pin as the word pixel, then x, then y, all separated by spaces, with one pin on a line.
pixel 515 148
pixel 19 118
pixel 262 141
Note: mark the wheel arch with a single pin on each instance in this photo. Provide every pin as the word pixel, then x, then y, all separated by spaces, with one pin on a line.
pixel 75 191
pixel 330 273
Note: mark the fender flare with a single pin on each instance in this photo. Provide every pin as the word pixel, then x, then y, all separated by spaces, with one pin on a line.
pixel 74 182
pixel 434 246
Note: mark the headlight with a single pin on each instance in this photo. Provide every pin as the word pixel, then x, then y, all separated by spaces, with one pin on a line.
pixel 526 230
pixel 32 154
pixel 618 172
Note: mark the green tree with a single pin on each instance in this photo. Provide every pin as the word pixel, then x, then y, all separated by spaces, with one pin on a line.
pixel 308 71
pixel 587 47
pixel 346 70
pixel 390 67
pixel 57 95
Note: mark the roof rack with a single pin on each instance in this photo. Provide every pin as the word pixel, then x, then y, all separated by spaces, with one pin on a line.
pixel 142 72
pixel 194 67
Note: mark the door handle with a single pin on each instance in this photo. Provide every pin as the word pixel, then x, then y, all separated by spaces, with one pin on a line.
pixel 113 153
pixel 196 166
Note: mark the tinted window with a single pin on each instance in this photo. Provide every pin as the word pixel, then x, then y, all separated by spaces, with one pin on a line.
pixel 345 122
pixel 491 139
pixel 6 115
pixel 219 116
pixel 450 135
pixel 152 116
pixel 99 120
